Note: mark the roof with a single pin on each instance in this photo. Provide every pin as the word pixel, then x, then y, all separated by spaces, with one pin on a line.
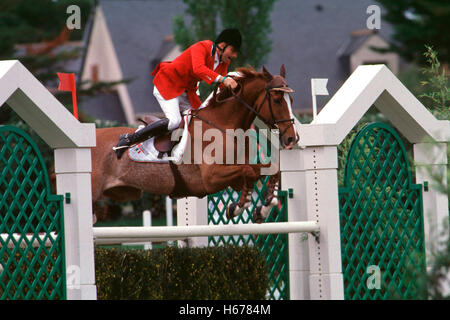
pixel 319 34
pixel 105 106
pixel 354 42
pixel 321 28
pixel 166 47
pixel 70 65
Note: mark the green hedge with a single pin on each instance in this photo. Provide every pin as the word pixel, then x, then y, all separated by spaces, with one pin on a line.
pixel 181 273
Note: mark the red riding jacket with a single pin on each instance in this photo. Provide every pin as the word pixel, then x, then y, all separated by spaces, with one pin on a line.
pixel 182 74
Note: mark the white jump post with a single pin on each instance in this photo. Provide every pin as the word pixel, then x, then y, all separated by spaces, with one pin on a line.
pixel 73 168
pixel 193 211
pixel 431 160
pixel 315 268
pixel 71 141
pixel 310 174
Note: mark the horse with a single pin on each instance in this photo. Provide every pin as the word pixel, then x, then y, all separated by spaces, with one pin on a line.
pixel 259 94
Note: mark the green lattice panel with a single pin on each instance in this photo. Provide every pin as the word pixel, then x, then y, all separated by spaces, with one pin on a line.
pixel 381 218
pixel 274 246
pixel 30 217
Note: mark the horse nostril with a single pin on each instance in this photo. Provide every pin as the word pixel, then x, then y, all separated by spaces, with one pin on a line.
pixel 289 141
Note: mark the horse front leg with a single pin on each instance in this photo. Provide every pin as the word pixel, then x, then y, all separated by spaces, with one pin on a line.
pixel 262 212
pixel 235 209
pixel 238 177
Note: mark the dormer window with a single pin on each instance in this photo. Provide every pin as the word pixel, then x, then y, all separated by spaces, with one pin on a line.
pixel 358 50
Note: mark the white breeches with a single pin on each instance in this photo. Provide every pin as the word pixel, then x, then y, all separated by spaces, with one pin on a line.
pixel 173 107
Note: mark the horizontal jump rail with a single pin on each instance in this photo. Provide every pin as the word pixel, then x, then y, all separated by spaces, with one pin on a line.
pixel 116 235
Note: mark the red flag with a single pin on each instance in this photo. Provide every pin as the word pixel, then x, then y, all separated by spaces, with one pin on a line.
pixel 67 83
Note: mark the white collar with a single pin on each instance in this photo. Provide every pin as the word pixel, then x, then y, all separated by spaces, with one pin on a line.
pixel 216 61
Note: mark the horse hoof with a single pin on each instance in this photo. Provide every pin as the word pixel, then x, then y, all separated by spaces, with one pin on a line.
pixel 272 202
pixel 230 210
pixel 257 216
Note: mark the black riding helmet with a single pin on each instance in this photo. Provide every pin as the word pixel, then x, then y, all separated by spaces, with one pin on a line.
pixel 230 37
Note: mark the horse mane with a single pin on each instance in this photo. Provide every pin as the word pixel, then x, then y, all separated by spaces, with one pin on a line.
pixel 245 75
pixel 249 73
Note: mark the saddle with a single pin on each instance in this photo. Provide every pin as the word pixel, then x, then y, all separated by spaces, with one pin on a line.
pixel 163 143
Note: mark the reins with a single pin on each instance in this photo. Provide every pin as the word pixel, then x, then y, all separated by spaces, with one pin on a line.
pixel 235 95
pixel 195 115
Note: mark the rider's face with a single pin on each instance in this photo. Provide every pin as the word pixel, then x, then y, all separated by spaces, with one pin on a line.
pixel 229 53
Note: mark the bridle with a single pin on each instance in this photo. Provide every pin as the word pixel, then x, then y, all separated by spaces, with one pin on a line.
pixel 271 123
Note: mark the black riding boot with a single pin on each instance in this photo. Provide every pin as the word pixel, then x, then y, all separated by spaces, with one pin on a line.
pixel 156 128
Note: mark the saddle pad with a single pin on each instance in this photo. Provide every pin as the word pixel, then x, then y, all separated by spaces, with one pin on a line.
pixel 146 151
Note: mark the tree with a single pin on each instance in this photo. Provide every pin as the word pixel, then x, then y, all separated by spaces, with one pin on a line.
pixel 251 17
pixel 203 25
pixel 416 23
pixel 42 30
pixel 437 93
pixel 24 22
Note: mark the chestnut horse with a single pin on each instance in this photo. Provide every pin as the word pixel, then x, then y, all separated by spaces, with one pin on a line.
pixel 259 94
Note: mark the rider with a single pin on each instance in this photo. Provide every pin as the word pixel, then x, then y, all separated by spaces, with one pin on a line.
pixel 176 83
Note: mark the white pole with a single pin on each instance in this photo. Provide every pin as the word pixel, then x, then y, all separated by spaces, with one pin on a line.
pixel 147 222
pixel 292 178
pixel 169 215
pixel 110 235
pixel 318 87
pixel 169 211
pixel 314 101
pixel 191 211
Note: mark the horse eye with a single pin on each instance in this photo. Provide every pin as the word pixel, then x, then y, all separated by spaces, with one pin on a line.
pixel 277 101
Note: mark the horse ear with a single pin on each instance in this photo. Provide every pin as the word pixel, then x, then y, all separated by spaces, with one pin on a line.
pixel 283 71
pixel 267 74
